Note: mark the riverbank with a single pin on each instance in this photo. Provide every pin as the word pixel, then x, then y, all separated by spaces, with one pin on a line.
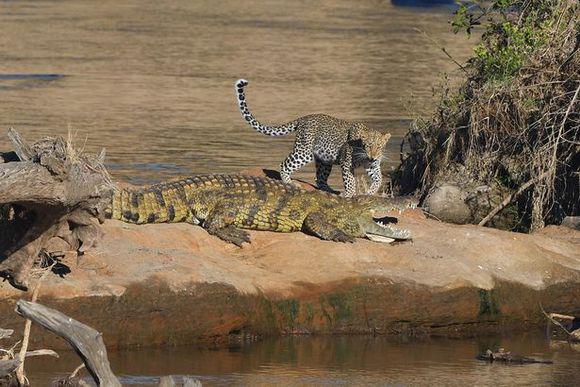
pixel 175 284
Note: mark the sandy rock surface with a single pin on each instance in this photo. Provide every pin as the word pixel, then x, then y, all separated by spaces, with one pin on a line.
pixel 175 283
pixel 440 255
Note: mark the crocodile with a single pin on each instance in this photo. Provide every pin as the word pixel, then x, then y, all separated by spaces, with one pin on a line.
pixel 225 204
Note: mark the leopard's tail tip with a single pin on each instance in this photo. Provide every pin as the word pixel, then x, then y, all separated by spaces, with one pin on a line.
pixel 241 83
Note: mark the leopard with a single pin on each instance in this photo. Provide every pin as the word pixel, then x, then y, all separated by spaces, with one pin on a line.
pixel 327 141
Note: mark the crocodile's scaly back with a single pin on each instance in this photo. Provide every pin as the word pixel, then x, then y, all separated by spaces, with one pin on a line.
pixel 177 201
pixel 226 204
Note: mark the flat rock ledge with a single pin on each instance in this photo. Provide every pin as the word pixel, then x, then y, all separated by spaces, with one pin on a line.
pixel 175 284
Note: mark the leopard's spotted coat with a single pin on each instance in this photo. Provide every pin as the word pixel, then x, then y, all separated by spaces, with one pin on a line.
pixel 327 141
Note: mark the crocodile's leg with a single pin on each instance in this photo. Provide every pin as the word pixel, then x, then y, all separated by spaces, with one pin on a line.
pixel 220 223
pixel 317 224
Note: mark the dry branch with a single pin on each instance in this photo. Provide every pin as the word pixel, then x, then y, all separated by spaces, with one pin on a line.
pixel 510 198
pixel 41 352
pixel 86 341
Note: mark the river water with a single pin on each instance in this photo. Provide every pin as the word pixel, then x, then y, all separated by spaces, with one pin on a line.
pixel 337 361
pixel 152 81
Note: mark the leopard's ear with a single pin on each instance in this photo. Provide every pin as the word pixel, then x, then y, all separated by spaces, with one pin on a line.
pixel 386 136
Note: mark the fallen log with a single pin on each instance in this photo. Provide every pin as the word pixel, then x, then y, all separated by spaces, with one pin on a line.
pixel 47 189
pixel 86 341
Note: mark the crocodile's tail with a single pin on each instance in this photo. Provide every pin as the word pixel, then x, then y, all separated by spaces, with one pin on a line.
pixel 155 204
pixel 279 130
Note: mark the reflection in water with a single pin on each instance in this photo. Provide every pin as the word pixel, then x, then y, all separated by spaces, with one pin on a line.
pixel 153 81
pixel 336 360
pixel 424 3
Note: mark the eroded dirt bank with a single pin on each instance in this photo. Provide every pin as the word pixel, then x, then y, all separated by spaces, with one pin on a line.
pixel 170 284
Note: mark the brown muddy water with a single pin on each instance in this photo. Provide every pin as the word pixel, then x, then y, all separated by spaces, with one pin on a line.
pixel 337 361
pixel 152 81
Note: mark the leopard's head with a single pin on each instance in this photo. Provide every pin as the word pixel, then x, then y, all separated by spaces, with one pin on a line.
pixel 374 143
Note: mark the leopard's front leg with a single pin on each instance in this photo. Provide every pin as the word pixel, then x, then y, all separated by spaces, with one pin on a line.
pixel 374 172
pixel 347 167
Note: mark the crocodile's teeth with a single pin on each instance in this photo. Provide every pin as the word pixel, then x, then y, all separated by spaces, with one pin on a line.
pixel 403 234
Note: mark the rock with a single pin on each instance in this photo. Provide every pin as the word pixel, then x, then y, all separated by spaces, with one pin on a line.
pixel 469 202
pixel 572 222
pixel 176 284
pixel 447 203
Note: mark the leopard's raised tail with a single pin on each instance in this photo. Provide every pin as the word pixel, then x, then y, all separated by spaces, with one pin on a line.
pixel 276 130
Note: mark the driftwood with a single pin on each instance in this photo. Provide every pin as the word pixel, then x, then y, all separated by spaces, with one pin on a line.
pixel 87 342
pixel 571 329
pixel 507 357
pixel 47 189
pixel 4 333
pixel 169 381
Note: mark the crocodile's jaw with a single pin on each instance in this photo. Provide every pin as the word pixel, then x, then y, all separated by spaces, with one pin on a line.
pixel 385 233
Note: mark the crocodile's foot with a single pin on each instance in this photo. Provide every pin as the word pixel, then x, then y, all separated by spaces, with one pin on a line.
pixel 339 236
pixel 232 234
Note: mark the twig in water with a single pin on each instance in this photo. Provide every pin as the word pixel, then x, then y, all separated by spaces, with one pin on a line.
pixel 27 325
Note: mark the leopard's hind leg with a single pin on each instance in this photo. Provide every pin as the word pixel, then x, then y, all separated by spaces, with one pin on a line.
pixel 299 157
